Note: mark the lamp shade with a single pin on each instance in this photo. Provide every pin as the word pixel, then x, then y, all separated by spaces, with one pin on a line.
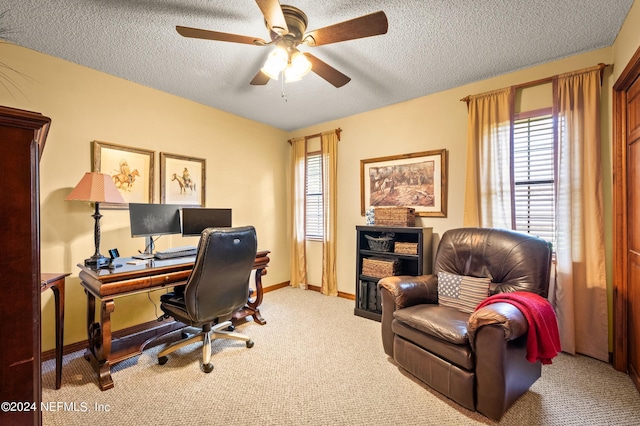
pixel 96 187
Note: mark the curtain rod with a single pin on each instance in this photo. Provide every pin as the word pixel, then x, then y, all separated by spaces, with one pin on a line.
pixel 601 65
pixel 338 130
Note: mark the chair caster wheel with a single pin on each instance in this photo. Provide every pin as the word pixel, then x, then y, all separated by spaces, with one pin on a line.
pixel 208 368
pixel 249 343
pixel 162 360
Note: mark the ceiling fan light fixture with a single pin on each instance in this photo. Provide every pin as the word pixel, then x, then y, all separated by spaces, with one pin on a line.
pixel 290 75
pixel 300 64
pixel 298 67
pixel 276 62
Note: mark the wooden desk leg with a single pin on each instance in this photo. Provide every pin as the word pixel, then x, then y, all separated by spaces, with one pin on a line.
pixel 255 304
pixel 91 326
pixel 58 295
pixel 100 341
pixel 252 306
pixel 104 367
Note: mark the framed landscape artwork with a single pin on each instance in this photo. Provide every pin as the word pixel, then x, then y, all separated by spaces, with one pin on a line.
pixel 417 180
pixel 132 171
pixel 182 180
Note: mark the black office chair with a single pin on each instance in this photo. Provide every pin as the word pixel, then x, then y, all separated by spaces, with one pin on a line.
pixel 217 287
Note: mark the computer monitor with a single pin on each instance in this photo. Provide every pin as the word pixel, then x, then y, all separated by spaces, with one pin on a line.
pixel 196 220
pixel 153 220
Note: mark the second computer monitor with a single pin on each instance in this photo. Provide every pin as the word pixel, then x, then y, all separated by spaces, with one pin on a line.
pixel 196 220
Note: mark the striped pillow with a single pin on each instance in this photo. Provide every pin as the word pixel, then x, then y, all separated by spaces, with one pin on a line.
pixel 462 292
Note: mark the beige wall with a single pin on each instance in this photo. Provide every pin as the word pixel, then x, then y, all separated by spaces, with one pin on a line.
pixel 246 170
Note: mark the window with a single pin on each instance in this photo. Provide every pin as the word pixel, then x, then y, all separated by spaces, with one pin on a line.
pixel 314 223
pixel 534 165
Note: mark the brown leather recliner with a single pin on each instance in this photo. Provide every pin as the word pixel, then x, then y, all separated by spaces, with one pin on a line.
pixel 476 359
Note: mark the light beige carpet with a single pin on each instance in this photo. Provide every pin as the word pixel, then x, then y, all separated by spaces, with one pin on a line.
pixel 315 363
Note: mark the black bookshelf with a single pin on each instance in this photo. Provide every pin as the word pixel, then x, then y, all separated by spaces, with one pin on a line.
pixel 367 300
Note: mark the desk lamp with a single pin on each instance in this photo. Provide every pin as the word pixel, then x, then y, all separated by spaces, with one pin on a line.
pixel 97 188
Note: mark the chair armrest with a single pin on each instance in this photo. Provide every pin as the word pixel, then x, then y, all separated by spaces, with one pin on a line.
pixel 400 292
pixel 411 290
pixel 503 315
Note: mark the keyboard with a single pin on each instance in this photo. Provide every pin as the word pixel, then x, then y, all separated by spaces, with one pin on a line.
pixel 174 252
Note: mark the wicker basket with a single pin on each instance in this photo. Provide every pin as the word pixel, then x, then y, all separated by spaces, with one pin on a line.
pixel 394 216
pixel 381 243
pixel 406 248
pixel 380 268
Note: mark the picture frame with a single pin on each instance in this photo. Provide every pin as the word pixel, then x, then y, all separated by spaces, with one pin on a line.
pixel 132 170
pixel 182 180
pixel 417 180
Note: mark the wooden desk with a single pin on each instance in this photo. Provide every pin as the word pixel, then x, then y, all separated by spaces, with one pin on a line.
pixel 55 282
pixel 110 284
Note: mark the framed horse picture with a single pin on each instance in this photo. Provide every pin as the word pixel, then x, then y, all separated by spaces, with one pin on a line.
pixel 417 180
pixel 132 170
pixel 182 180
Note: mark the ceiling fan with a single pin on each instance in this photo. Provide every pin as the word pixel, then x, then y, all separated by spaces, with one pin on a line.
pixel 287 26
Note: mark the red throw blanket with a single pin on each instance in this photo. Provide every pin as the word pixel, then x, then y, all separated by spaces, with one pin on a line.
pixel 543 339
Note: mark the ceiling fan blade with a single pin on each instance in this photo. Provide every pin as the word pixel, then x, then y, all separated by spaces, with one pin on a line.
pixel 327 72
pixel 260 79
pixel 364 26
pixel 273 15
pixel 215 35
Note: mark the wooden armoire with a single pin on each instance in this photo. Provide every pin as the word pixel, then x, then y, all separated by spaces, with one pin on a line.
pixel 22 138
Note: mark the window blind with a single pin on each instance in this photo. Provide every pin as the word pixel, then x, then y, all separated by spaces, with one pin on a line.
pixel 314 222
pixel 534 176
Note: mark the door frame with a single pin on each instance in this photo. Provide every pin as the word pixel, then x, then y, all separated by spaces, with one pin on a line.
pixel 620 226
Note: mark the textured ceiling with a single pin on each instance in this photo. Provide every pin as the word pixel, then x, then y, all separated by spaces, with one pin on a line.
pixel 431 45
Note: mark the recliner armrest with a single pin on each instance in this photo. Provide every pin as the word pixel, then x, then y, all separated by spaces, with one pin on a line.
pixel 505 315
pixel 400 292
pixel 409 290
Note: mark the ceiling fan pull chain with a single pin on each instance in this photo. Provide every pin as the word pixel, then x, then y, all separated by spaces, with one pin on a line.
pixel 284 90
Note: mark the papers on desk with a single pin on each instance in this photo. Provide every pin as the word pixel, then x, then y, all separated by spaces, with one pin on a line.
pixel 136 262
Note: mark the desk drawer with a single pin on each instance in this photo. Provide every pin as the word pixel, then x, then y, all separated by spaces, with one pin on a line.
pixel 144 283
pixel 169 278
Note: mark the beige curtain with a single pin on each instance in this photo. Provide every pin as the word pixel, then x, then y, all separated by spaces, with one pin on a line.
pixel 488 183
pixel 580 294
pixel 329 143
pixel 298 247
